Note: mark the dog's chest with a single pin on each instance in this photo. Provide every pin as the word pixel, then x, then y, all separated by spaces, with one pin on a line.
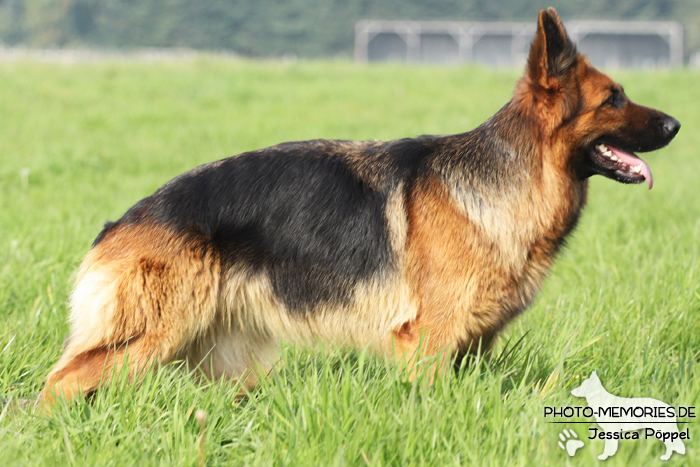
pixel 485 267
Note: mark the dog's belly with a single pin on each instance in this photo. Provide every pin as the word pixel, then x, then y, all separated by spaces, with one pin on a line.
pixel 250 305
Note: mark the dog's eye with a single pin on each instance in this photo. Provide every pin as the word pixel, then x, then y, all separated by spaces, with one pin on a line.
pixel 616 99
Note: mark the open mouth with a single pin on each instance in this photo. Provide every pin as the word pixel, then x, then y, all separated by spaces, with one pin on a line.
pixel 621 165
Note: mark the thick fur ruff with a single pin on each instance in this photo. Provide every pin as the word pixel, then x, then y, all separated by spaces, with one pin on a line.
pixel 433 243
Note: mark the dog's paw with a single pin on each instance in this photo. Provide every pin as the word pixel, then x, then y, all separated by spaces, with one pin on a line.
pixel 569 442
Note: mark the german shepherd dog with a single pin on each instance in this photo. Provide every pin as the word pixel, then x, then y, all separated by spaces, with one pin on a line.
pixel 424 246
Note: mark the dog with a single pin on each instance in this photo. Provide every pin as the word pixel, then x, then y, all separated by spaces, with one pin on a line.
pixel 421 247
pixel 598 398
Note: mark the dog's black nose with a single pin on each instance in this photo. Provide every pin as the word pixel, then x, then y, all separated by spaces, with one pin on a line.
pixel 671 126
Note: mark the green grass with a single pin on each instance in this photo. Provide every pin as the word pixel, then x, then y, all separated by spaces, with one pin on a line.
pixel 79 144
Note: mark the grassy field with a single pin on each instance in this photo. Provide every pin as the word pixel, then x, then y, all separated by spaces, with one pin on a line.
pixel 81 143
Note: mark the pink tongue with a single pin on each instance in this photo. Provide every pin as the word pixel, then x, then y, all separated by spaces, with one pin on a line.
pixel 634 161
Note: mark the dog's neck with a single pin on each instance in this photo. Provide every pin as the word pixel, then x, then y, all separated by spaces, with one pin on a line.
pixel 596 397
pixel 498 155
pixel 502 163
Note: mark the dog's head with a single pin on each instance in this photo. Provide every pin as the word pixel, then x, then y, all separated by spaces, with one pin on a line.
pixel 571 103
pixel 588 387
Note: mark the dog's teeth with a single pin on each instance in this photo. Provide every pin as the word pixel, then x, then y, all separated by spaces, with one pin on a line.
pixel 637 169
pixel 612 157
pixel 601 148
pixel 607 153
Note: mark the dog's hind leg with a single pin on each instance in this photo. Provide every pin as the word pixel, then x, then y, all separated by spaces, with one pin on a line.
pixel 86 371
pixel 139 302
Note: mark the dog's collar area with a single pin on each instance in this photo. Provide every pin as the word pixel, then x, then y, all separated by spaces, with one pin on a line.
pixel 627 167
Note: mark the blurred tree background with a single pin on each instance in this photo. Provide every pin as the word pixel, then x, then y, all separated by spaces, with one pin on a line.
pixel 307 28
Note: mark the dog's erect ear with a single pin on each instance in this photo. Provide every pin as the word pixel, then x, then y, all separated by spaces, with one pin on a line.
pixel 552 52
pixel 594 375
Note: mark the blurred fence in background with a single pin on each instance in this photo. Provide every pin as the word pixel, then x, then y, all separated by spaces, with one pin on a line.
pixel 608 44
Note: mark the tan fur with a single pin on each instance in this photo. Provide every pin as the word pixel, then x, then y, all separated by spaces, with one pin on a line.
pixel 472 272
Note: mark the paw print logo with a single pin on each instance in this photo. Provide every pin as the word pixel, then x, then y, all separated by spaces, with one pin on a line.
pixel 569 442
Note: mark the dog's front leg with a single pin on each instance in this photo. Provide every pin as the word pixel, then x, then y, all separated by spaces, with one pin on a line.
pixel 425 347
